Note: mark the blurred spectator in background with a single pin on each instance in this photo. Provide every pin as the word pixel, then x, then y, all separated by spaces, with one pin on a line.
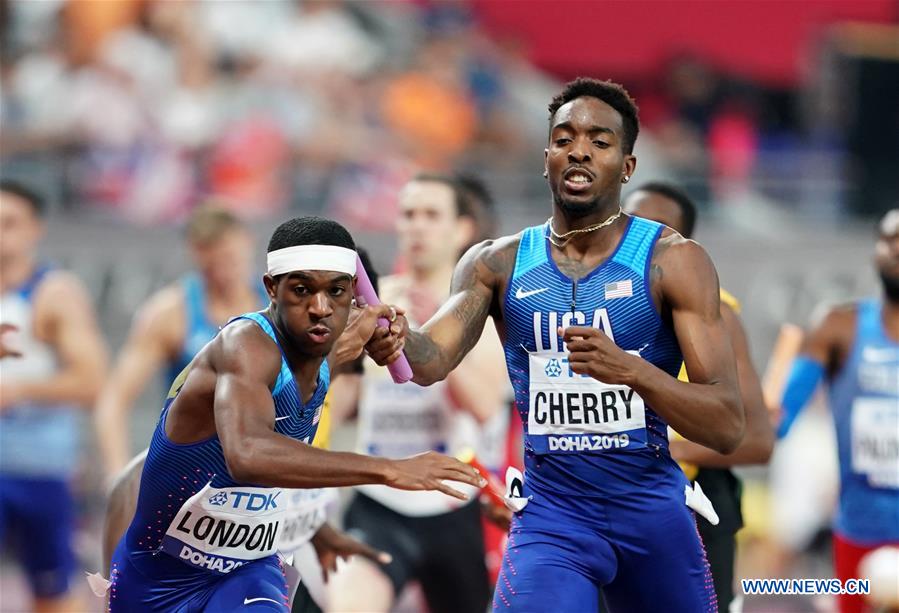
pixel 178 321
pixel 61 368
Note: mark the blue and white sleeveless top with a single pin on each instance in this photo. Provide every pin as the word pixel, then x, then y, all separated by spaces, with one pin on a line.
pixel 583 436
pixel 198 329
pixel 191 508
pixel 36 440
pixel 864 398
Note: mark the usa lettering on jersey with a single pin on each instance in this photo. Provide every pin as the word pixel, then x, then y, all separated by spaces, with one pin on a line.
pixel 569 412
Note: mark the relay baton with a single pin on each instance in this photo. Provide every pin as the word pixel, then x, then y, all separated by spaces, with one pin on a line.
pixel 494 489
pixel 365 293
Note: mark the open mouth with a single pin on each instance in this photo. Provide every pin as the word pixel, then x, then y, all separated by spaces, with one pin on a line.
pixel 577 180
pixel 319 334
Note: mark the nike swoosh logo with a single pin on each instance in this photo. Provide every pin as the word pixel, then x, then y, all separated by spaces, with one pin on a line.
pixel 282 417
pixel 252 600
pixel 524 294
pixel 872 354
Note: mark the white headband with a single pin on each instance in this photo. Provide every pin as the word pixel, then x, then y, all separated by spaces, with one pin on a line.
pixel 312 257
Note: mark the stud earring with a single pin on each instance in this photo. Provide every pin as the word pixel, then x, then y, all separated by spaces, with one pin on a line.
pixel 625 179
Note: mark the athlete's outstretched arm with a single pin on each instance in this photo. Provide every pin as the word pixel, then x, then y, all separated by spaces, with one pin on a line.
pixel 439 346
pixel 246 365
pixel 707 410
pixel 758 443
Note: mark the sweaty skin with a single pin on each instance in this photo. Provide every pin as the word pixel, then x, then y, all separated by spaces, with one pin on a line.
pixel 227 392
pixel 586 138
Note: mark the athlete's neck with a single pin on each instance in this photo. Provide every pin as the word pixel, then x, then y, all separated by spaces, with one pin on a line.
pixel 890 318
pixel 304 367
pixel 437 279
pixel 600 242
pixel 15 271
pixel 565 220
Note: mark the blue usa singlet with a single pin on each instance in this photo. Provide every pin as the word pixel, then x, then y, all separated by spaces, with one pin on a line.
pixel 864 398
pixel 607 506
pixel 195 526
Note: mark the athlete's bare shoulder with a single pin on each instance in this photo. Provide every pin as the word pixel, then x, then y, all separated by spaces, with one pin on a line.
pixel 242 346
pixel 836 322
pixel 492 259
pixel 60 293
pixel 680 267
pixel 487 267
pixel 842 314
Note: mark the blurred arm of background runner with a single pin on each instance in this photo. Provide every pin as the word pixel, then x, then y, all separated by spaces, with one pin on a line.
pixel 823 351
pixel 64 316
pixel 156 335
pixel 758 442
pixel 478 385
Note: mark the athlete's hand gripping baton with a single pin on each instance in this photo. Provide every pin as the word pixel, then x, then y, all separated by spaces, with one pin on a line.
pixel 365 294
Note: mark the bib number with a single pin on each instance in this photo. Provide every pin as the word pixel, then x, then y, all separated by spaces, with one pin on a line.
pixel 221 529
pixel 572 413
pixel 875 440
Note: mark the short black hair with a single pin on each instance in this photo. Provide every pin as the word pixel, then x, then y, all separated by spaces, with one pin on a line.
pixel 35 200
pixel 609 92
pixel 464 205
pixel 678 196
pixel 476 189
pixel 369 267
pixel 473 200
pixel 310 231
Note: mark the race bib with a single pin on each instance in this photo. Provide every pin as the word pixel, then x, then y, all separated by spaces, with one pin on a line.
pixel 397 421
pixel 221 529
pixel 875 440
pixel 572 413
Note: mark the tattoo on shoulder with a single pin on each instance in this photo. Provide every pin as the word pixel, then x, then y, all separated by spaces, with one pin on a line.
pixel 499 258
pixel 656 270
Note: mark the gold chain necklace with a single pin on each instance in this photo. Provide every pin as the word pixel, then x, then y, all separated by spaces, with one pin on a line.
pixel 567 236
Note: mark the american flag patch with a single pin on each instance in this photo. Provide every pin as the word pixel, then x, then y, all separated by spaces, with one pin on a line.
pixel 619 289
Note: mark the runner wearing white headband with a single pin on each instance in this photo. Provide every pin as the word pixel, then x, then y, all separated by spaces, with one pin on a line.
pixel 214 505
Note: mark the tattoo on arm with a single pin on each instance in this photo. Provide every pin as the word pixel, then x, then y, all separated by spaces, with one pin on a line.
pixel 456 328
pixel 420 349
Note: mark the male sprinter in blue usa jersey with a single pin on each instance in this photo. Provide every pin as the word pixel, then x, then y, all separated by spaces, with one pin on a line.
pixel 596 310
pixel 212 509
